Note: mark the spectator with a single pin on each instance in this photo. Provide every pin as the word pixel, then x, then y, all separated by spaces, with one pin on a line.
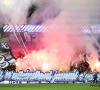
pixel 27 37
pixel 95 78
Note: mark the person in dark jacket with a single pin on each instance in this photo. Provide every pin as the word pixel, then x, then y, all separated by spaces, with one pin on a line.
pixel 95 78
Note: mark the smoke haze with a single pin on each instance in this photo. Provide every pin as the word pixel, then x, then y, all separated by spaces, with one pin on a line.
pixel 65 19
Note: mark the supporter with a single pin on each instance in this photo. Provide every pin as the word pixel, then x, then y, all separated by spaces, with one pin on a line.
pixel 27 37
pixel 95 78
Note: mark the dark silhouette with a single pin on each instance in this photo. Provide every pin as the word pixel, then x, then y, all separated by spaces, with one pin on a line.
pixel 95 78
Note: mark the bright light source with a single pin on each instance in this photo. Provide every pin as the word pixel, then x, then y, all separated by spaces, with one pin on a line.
pixel 17 64
pixel 45 67
pixel 9 3
pixel 97 64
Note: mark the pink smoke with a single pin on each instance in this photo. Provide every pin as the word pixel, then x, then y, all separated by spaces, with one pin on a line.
pixel 63 42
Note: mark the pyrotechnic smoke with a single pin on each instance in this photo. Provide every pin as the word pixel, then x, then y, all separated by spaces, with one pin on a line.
pixel 66 38
pixel 65 19
pixel 15 11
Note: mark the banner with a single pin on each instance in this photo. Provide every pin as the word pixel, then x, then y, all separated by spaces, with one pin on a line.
pixel 51 77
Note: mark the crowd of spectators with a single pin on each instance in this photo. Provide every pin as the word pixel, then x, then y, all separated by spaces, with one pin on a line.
pixel 10 68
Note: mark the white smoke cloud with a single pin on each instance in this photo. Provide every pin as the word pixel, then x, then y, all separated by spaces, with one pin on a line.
pixel 67 37
pixel 15 11
pixel 67 17
pixel 78 12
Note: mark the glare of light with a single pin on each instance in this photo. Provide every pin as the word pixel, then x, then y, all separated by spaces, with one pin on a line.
pixel 17 64
pixel 97 64
pixel 61 70
pixel 8 3
pixel 45 67
pixel 92 69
